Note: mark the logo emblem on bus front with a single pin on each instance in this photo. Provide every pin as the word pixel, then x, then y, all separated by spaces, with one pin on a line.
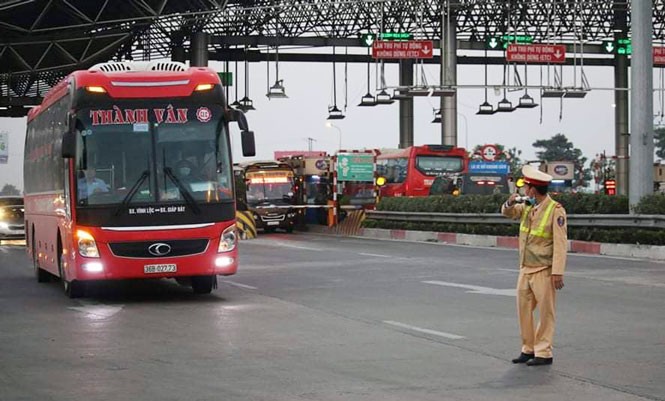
pixel 159 249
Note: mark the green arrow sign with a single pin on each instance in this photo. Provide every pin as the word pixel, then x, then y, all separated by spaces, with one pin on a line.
pixel 618 46
pixel 367 39
pixel 497 42
pixel 395 36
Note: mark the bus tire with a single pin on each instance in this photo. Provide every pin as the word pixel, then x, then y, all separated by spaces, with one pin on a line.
pixel 73 289
pixel 42 275
pixel 203 284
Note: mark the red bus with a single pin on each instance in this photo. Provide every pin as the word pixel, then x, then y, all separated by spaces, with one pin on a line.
pixel 411 171
pixel 128 174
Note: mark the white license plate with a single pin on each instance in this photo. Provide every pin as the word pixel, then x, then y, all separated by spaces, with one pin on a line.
pixel 165 268
pixel 272 223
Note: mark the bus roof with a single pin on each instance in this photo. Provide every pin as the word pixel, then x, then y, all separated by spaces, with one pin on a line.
pixel 422 149
pixel 129 80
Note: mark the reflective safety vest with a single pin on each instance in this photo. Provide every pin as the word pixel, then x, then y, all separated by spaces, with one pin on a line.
pixel 539 231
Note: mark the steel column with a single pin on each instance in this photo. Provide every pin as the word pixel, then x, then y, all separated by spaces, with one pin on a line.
pixel 199 49
pixel 406 105
pixel 448 77
pixel 641 103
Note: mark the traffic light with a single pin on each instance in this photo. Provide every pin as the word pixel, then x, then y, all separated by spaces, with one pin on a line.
pixel 610 187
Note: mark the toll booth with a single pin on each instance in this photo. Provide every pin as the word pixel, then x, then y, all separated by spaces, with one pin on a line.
pixel 313 172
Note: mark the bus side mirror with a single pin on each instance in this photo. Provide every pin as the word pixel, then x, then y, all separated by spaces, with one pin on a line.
pixel 69 139
pixel 239 117
pixel 248 144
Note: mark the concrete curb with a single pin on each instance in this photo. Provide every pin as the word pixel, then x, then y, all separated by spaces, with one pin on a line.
pixel 653 252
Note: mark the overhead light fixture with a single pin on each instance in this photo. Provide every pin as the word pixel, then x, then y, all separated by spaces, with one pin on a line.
pixel 400 94
pixel 384 98
pixel 418 91
pixel 486 109
pixel 277 91
pixel 246 104
pixel 431 91
pixel 553 92
pixel 437 116
pixel 575 93
pixel 526 102
pixel 504 106
pixel 334 113
pixel 367 100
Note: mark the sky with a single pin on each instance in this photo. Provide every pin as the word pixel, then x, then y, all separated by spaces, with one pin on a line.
pixel 286 124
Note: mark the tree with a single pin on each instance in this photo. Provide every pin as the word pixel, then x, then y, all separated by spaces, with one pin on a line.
pixel 659 141
pixel 511 156
pixel 559 148
pixel 10 190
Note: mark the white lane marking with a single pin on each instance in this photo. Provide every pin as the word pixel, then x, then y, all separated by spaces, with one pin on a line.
pixel 4 250
pixel 281 244
pixel 375 254
pixel 233 283
pixel 97 311
pixel 426 331
pixel 510 270
pixel 474 289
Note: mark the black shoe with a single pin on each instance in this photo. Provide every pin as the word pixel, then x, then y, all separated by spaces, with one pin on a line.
pixel 523 358
pixel 538 361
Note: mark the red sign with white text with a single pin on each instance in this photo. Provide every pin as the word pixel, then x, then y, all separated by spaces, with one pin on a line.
pixel 389 49
pixel 536 53
pixel 659 56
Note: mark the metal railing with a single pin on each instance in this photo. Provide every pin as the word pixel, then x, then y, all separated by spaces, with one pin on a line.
pixel 574 220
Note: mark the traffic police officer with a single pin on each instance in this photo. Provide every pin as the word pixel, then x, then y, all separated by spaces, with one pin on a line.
pixel 543 244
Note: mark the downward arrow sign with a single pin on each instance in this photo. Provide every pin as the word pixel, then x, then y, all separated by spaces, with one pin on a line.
pixel 609 47
pixel 426 50
pixel 369 40
pixel 557 55
pixel 493 43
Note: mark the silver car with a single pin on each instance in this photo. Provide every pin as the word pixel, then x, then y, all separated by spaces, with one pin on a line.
pixel 12 225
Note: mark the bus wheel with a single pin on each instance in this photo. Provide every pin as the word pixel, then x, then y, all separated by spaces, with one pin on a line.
pixel 42 275
pixel 203 284
pixel 73 289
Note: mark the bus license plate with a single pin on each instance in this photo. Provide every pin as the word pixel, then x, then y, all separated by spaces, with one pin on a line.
pixel 164 268
pixel 272 223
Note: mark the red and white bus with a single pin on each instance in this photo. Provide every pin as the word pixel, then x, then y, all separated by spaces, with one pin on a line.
pixel 128 174
pixel 411 171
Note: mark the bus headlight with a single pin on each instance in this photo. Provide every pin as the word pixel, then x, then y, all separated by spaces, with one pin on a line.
pixel 87 245
pixel 228 240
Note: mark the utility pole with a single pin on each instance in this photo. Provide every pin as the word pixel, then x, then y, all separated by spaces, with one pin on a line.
pixel 310 141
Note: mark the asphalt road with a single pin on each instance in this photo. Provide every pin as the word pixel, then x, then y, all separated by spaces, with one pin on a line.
pixel 312 317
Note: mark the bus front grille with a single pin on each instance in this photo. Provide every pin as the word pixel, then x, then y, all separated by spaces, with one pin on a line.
pixel 159 249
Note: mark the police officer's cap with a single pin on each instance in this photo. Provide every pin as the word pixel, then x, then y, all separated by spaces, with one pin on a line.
pixel 535 177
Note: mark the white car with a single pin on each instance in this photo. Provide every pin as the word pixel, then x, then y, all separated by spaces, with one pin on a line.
pixel 12 225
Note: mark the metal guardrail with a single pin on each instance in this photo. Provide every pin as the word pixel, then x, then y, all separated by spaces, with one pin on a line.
pixel 574 220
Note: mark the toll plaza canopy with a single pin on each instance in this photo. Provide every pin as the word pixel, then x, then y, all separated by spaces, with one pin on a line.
pixel 41 41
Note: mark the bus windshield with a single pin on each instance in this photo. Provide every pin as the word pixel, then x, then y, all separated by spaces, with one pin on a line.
pixel 156 153
pixel 437 165
pixel 271 187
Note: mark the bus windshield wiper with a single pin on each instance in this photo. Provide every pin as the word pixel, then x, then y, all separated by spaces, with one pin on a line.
pixel 183 191
pixel 128 198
